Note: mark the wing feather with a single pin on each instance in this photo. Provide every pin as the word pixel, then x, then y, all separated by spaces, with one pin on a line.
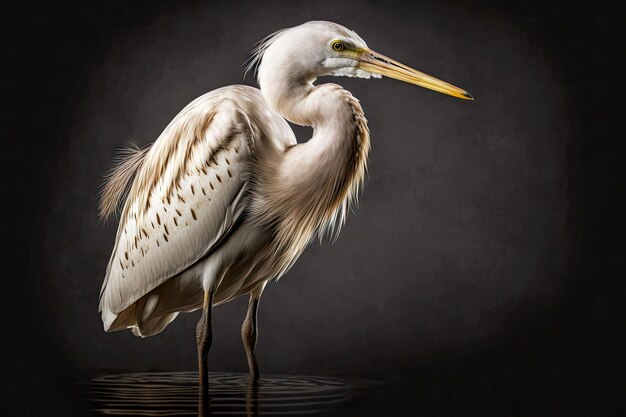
pixel 186 196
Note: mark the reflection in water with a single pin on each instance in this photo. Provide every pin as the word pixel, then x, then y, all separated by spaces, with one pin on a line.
pixel 176 393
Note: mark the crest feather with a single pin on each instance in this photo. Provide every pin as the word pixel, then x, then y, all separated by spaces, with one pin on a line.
pixel 256 54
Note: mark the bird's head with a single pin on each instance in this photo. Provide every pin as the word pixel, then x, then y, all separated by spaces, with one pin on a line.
pixel 319 48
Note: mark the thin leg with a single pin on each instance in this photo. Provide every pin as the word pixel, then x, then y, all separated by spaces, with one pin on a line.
pixel 249 334
pixel 204 336
pixel 252 398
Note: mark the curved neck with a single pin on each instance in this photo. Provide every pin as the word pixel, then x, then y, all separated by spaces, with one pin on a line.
pixel 288 94
pixel 319 178
pixel 332 112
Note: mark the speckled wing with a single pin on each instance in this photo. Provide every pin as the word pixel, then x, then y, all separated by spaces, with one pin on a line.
pixel 187 195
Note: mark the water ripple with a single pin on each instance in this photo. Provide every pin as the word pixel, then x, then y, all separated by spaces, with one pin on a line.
pixel 176 393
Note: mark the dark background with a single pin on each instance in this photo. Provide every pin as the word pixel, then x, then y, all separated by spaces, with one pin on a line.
pixel 488 245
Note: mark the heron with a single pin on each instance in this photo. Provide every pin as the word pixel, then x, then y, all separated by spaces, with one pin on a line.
pixel 226 199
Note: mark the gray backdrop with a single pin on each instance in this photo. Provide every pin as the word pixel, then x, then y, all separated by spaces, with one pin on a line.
pixel 465 228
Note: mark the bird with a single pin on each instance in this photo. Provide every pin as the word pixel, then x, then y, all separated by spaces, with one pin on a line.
pixel 226 200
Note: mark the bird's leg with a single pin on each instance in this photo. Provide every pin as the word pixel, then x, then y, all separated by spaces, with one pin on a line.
pixel 249 334
pixel 252 398
pixel 204 336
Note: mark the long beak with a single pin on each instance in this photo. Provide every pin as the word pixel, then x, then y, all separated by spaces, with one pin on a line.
pixel 380 64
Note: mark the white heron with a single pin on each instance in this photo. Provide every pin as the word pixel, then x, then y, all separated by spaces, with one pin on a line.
pixel 226 199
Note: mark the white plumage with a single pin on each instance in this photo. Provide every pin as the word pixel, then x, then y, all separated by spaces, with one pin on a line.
pixel 225 199
pixel 181 205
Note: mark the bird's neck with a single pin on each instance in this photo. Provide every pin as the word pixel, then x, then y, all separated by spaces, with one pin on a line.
pixel 336 149
pixel 320 177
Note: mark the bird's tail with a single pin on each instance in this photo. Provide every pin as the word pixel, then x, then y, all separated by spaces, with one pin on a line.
pixel 118 180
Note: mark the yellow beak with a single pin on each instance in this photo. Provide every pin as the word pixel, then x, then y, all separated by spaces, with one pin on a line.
pixel 380 64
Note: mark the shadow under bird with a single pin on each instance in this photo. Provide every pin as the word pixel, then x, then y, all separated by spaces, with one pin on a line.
pixel 226 199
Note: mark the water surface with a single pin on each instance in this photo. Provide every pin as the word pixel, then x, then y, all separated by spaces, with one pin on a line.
pixel 176 393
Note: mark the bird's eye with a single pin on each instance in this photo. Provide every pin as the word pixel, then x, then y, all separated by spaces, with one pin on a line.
pixel 337 46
